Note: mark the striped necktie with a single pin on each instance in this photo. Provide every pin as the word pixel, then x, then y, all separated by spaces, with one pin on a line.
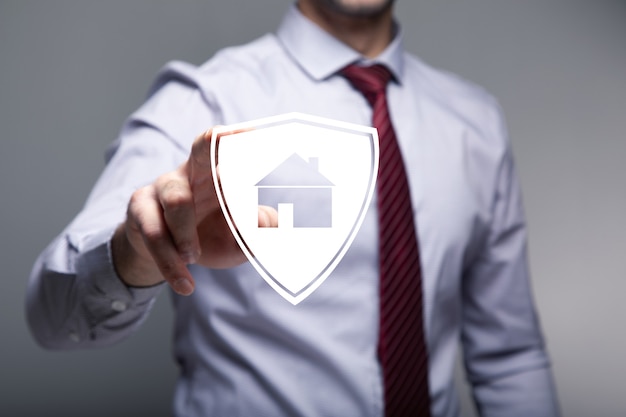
pixel 401 346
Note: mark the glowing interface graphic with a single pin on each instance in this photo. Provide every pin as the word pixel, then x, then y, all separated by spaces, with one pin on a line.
pixel 318 174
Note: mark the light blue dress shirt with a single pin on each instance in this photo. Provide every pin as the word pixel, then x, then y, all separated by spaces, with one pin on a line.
pixel 245 351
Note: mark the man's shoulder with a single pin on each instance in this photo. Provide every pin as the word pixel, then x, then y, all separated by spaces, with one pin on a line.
pixel 227 63
pixel 444 94
pixel 446 86
pixel 245 57
pixel 453 95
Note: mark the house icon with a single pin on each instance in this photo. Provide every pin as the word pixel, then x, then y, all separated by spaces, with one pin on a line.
pixel 299 192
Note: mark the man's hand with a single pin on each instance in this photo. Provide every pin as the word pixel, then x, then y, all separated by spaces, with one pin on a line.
pixel 177 221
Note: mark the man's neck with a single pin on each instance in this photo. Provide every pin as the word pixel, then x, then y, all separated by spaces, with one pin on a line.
pixel 367 35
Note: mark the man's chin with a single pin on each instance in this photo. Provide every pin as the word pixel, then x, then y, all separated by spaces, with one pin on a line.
pixel 359 9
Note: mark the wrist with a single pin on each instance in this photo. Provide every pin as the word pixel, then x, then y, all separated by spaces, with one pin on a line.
pixel 133 268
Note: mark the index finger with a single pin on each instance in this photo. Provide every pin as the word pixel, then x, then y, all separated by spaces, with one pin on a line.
pixel 201 168
pixel 200 157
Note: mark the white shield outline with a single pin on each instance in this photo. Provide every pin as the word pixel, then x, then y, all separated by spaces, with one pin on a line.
pixel 366 132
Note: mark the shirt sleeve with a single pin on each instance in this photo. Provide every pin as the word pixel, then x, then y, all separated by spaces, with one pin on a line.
pixel 504 352
pixel 74 298
pixel 85 304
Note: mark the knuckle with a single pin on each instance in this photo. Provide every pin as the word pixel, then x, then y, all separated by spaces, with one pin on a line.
pixel 176 198
pixel 165 178
pixel 173 192
pixel 137 204
pixel 139 195
pixel 152 234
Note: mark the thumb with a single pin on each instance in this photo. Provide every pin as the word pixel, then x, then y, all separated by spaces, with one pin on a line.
pixel 268 217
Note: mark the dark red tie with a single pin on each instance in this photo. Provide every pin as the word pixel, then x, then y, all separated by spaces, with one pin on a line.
pixel 401 347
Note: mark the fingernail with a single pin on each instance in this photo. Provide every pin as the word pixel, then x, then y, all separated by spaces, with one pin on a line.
pixel 182 286
pixel 189 257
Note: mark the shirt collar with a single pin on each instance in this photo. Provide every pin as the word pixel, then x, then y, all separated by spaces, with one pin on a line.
pixel 321 55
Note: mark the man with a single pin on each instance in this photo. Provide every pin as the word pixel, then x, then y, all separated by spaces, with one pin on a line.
pixel 153 217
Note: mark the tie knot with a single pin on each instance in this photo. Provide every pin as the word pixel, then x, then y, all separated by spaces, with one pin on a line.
pixel 370 81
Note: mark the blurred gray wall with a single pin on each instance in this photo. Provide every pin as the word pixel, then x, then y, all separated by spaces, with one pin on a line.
pixel 72 70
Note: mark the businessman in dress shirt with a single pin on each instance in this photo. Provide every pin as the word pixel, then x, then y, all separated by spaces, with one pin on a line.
pixel 153 221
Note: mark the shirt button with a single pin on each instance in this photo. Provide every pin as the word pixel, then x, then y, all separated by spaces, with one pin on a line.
pixel 118 306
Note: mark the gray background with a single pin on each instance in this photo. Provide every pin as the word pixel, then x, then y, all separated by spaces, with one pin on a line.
pixel 71 71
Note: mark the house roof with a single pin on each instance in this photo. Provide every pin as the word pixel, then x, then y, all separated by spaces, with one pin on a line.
pixel 294 172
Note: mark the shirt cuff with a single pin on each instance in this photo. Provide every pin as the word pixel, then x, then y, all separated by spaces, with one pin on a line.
pixel 105 293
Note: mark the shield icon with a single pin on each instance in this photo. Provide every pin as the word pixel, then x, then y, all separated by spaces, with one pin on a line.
pixel 318 174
